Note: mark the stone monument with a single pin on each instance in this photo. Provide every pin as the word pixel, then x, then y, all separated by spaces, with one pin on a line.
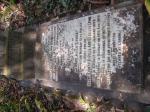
pixel 98 49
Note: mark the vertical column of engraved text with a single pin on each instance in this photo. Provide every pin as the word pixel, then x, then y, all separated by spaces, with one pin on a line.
pixel 80 48
pixel 119 63
pixel 50 37
pixel 114 52
pixel 89 52
pixel 103 48
pixel 76 51
pixel 98 49
pixel 85 56
pixel 54 54
pixel 56 57
pixel 60 45
pixel 108 51
pixel 104 53
pixel 93 41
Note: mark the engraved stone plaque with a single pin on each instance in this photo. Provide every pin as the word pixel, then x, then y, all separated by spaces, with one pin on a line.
pixel 98 49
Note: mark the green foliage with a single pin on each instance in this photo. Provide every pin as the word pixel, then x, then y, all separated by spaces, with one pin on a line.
pixel 5 14
pixel 40 105
pixel 147 4
pixel 92 108
pixel 126 108
pixel 19 13
pixel 49 6
pixel 8 10
pixel 147 109
pixel 14 98
pixel 9 2
pixel 9 107
pixel 65 3
pixel 70 4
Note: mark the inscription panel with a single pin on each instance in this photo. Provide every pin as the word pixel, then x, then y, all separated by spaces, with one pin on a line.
pixel 101 49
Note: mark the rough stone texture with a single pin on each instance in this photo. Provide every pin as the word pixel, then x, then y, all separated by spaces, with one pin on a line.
pixel 52 59
pixel 1 54
pixel 2 51
pixel 146 46
pixel 29 53
pixel 21 53
pixel 14 54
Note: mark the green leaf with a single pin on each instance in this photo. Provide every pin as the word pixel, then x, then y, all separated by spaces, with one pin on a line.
pixel 27 105
pixel 147 4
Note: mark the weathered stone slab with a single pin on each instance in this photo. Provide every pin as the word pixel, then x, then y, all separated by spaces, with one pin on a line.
pixel 14 53
pixel 20 54
pixel 98 49
pixel 29 39
pixel 2 52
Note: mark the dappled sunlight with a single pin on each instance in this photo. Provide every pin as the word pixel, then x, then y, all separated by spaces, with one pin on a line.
pixel 124 47
pixel 31 36
pixel 96 56
pixel 37 47
pixel 6 71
